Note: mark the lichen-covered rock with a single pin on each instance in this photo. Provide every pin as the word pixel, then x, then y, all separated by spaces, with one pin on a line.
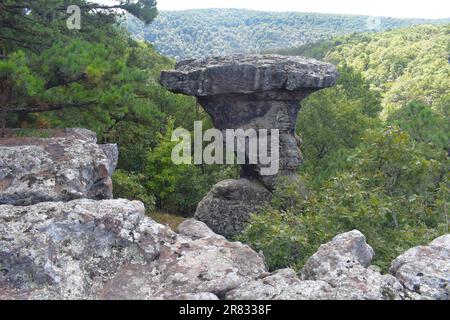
pixel 227 207
pixel 192 296
pixel 79 133
pixel 68 166
pixel 350 246
pixel 281 285
pixel 109 249
pixel 343 263
pixel 87 249
pixel 68 250
pixel 425 270
pixel 195 229
pixel 211 265
pixel 112 153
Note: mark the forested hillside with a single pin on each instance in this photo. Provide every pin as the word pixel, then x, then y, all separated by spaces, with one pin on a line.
pixel 400 65
pixel 199 33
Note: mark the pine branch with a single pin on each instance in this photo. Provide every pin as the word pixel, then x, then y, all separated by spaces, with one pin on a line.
pixel 51 107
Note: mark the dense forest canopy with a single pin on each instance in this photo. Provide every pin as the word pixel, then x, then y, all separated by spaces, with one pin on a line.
pixel 400 65
pixel 47 66
pixel 207 32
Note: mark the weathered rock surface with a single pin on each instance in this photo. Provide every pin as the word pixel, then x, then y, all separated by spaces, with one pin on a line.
pixel 195 229
pixel 86 249
pixel 68 250
pixel 247 74
pixel 343 263
pixel 338 271
pixel 425 270
pixel 208 265
pixel 109 249
pixel 281 285
pixel 227 207
pixel 253 92
pixel 68 166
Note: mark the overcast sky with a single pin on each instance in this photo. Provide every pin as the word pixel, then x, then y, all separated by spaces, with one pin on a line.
pixel 430 9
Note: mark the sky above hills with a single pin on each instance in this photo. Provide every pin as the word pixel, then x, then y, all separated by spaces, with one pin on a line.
pixel 429 9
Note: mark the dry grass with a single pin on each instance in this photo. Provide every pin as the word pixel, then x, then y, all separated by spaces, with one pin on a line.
pixel 170 220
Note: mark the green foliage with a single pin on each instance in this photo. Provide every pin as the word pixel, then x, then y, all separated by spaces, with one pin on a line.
pixel 210 32
pixel 178 187
pixel 332 121
pixel 385 176
pixel 130 186
pixel 101 79
pixel 402 65
pixel 316 50
pixel 45 66
pixel 388 192
pixel 423 124
pixel 144 10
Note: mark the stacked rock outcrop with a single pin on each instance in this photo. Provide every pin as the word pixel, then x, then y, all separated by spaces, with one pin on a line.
pixel 250 92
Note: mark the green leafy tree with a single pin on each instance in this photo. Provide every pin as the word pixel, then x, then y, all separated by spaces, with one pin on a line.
pixel 388 192
pixel 332 122
pixel 130 186
pixel 67 68
pixel 178 188
pixel 423 124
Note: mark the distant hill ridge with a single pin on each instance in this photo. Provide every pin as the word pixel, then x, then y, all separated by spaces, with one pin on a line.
pixel 207 32
pixel 401 65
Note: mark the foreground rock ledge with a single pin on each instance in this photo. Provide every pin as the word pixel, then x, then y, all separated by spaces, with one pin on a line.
pixel 109 249
pixel 425 270
pixel 87 249
pixel 253 91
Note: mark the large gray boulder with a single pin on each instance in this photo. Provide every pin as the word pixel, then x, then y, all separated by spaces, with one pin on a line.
pixel 281 285
pixel 246 74
pixel 57 250
pixel 425 270
pixel 70 165
pixel 339 270
pixel 209 266
pixel 227 207
pixel 252 92
pixel 87 249
pixel 344 263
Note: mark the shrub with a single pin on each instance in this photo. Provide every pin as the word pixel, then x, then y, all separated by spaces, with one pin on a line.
pixel 392 192
pixel 130 186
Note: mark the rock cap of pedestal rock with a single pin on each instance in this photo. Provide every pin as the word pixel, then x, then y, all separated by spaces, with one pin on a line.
pixel 246 74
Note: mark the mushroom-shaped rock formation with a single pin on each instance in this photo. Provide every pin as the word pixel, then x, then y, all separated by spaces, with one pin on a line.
pixel 253 92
